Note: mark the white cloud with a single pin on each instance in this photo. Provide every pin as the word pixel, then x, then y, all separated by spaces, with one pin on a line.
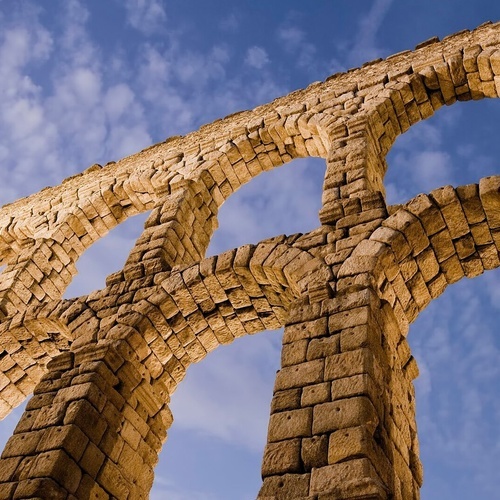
pixel 147 16
pixel 365 47
pixel 20 46
pixel 413 172
pixel 77 49
pixel 229 399
pixel 292 36
pixel 264 208
pixel 256 57
pixel 189 88
pixel 229 23
pixel 117 100
pixel 304 52
pixel 420 160
pixel 75 108
pixel 431 169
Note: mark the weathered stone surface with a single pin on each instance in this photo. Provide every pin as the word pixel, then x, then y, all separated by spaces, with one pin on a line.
pixel 310 372
pixel 355 478
pixel 290 424
pixel 282 457
pixel 343 413
pixel 285 486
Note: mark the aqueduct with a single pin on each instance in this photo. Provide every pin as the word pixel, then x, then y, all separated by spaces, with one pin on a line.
pixel 102 367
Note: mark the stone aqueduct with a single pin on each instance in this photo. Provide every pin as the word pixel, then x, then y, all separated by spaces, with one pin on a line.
pixel 102 367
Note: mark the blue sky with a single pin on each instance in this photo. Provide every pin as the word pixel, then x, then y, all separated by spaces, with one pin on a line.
pixel 90 82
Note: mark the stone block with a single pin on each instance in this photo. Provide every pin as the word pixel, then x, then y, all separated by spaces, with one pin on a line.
pixel 423 207
pixel 351 442
pixel 419 291
pixel 8 468
pixel 49 416
pixel 314 452
pixel 69 438
pixel 428 264
pixel 343 413
pixel 83 415
pixel 282 457
pixel 314 394
pixel 59 466
pixel 286 400
pixel 347 319
pixel 305 330
pixel 111 479
pixel 92 459
pixel 40 488
pixel 90 489
pixel 285 486
pixel 310 372
pixel 7 490
pixel 290 424
pixel 489 192
pixel 351 479
pixel 442 245
pixel 452 269
pixel 484 64
pixel 294 353
pixel 350 363
pixel 23 444
pixel 357 337
pixel 323 347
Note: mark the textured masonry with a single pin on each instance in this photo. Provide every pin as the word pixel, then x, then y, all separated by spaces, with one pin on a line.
pixel 102 367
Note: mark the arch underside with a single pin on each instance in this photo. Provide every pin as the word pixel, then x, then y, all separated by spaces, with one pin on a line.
pixel 118 353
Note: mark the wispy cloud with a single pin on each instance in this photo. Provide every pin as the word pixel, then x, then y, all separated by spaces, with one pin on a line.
pixel 294 41
pixel 231 396
pixel 147 16
pixel 230 23
pixel 165 488
pixel 365 47
pixel 256 57
pixel 456 395
pixel 54 123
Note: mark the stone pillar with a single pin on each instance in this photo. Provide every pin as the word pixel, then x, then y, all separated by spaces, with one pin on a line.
pixel 177 231
pixel 342 415
pixel 93 429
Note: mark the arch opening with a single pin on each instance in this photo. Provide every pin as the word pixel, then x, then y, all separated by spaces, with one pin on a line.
pixel 221 412
pixel 105 256
pixel 455 342
pixel 450 147
pixel 264 208
pixel 221 409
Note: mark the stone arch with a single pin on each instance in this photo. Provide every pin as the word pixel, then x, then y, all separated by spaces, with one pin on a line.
pixel 345 334
pixel 239 292
pixel 431 242
pixel 135 366
pixel 462 67
pixel 217 171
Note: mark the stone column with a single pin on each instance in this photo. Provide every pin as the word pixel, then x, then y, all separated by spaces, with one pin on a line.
pixel 177 231
pixel 93 428
pixel 342 416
